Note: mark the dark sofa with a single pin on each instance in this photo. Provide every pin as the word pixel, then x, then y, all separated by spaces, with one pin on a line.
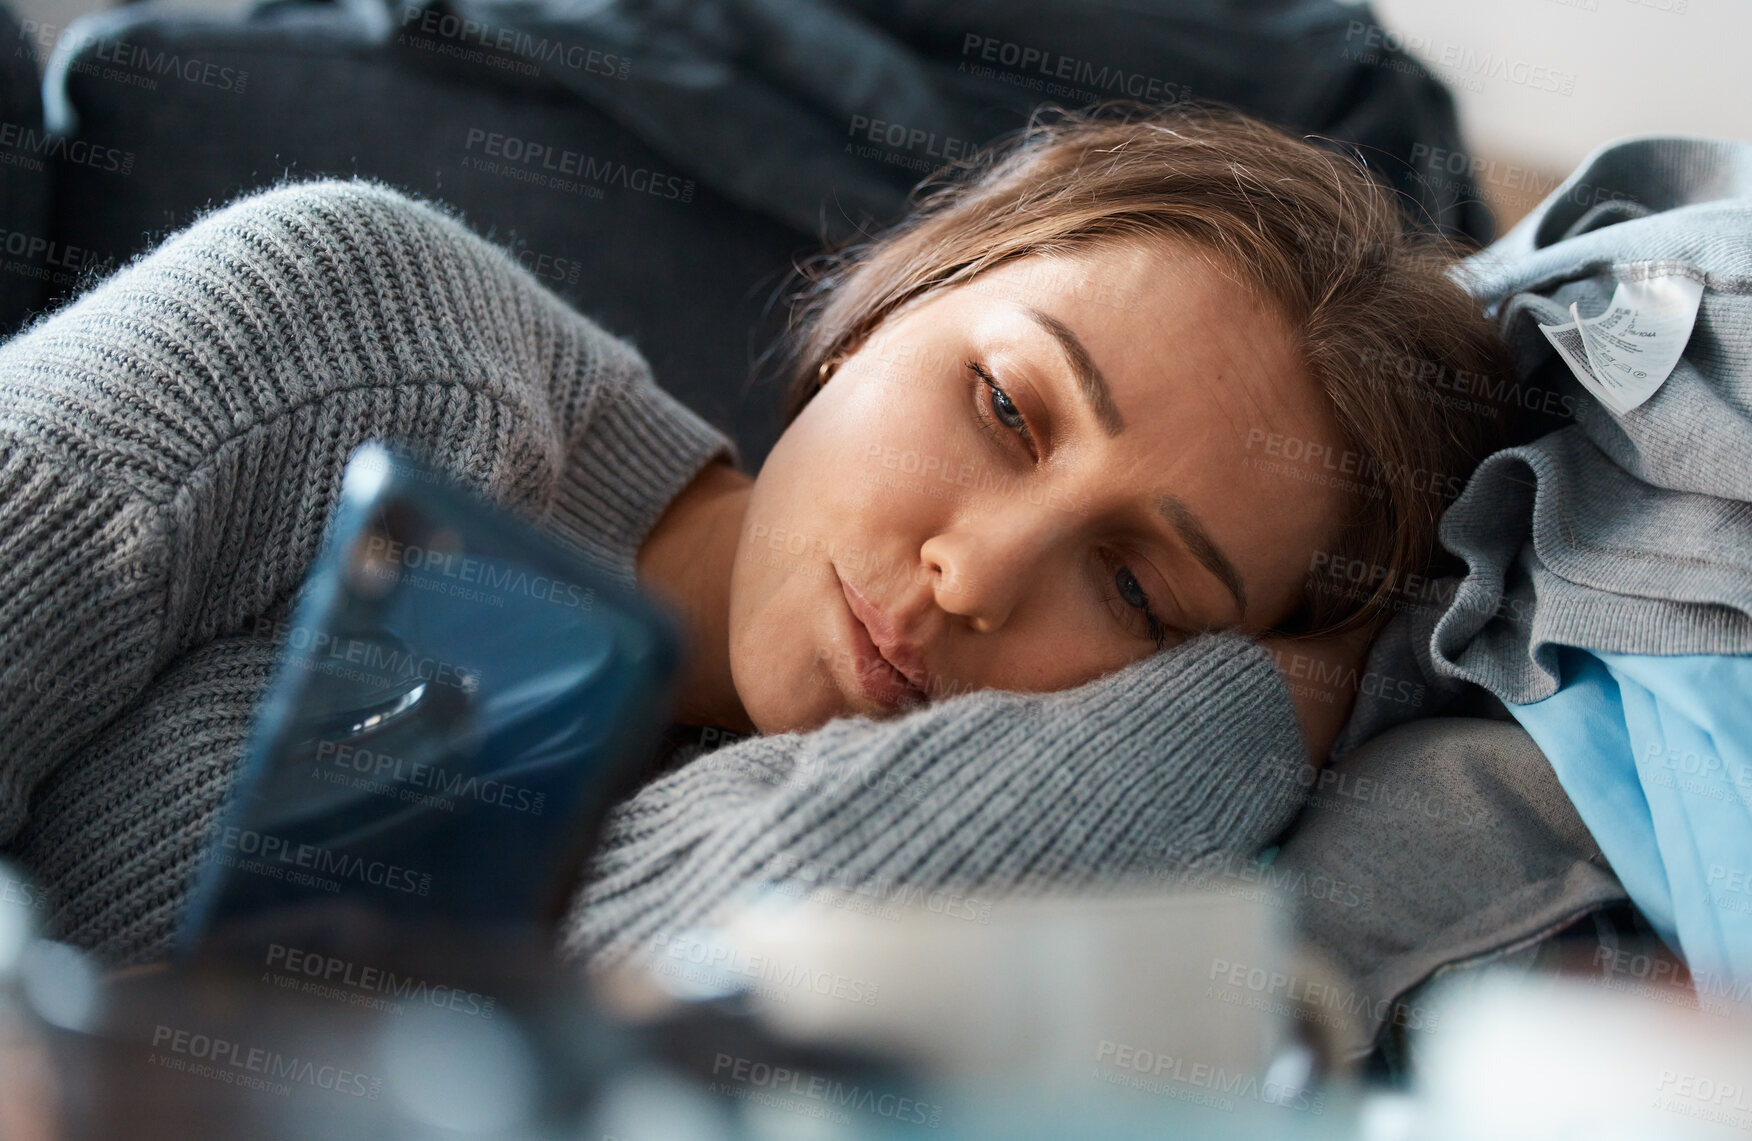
pixel 680 162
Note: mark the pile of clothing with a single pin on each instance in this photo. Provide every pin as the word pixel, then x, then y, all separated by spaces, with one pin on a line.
pixel 1607 600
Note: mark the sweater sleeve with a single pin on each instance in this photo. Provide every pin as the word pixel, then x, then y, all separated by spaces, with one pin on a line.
pixel 172 445
pixel 82 585
pixel 1166 767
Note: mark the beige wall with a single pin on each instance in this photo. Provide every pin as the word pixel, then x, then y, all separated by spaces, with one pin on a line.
pixel 1631 66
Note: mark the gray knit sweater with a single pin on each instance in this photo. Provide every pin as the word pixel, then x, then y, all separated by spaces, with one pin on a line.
pixel 171 446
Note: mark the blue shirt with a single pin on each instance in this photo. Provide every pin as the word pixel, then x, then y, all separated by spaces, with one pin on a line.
pixel 1656 754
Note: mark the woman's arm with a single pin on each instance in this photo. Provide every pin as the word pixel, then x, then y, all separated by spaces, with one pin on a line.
pixel 84 580
pixel 1171 765
pixel 171 447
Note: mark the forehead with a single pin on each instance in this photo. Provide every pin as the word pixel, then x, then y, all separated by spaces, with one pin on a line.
pixel 1171 327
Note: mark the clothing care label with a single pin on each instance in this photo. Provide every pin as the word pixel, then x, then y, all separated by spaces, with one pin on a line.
pixel 1626 353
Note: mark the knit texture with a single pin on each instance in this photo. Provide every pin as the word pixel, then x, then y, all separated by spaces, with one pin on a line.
pixel 171 448
pixel 1629 533
pixel 1172 765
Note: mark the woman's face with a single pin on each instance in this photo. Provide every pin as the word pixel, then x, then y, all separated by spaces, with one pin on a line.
pixel 1009 472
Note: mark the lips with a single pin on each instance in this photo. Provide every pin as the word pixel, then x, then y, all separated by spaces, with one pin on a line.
pixel 889 670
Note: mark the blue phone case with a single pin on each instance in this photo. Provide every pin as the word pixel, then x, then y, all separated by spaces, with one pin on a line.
pixel 458 702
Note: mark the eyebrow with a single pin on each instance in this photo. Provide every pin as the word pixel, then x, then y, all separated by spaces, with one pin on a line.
pixel 1093 387
pixel 1192 532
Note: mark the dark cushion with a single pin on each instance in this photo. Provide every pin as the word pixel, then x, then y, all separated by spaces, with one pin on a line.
pixel 670 197
pixel 307 90
pixel 31 257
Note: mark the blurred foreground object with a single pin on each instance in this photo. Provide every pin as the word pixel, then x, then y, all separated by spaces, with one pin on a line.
pixel 1520 1059
pixel 1135 1010
pixel 1128 1015
pixel 29 1097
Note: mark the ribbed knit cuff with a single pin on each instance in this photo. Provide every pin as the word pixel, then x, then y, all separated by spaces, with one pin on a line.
pixel 1165 768
pixel 1173 758
pixel 641 449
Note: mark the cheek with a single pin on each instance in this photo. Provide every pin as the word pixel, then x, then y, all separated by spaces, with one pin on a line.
pixel 1072 641
pixel 858 468
pixel 774 643
pixel 808 514
pixel 857 483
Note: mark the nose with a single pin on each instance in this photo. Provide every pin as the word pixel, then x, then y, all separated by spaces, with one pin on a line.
pixel 987 557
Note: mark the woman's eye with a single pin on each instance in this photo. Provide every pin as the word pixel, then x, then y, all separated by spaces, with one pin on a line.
pixel 1134 611
pixel 1129 591
pixel 998 406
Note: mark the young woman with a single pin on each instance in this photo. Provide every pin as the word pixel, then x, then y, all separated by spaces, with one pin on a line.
pixel 1021 596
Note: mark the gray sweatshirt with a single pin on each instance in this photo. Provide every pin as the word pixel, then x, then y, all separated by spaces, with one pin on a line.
pixel 171 447
pixel 1628 533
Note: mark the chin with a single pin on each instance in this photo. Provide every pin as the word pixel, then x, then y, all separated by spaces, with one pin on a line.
pixel 787 720
pixel 776 707
pixel 806 703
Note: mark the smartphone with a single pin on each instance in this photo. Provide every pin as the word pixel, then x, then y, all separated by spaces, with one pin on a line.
pixel 458 702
